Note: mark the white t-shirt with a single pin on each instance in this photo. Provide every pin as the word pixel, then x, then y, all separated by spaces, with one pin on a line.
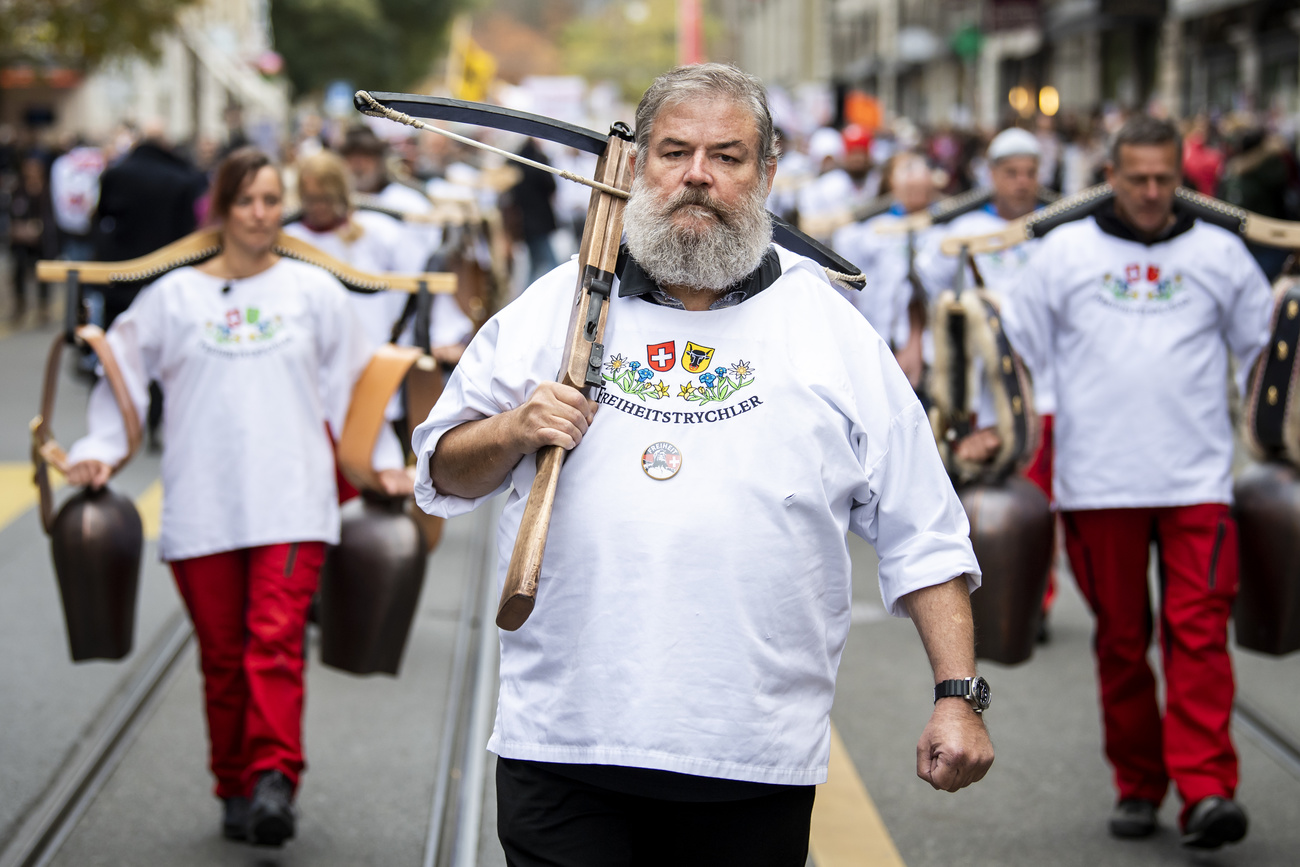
pixel 1001 272
pixel 250 378
pixel 695 623
pixel 74 188
pixel 836 192
pixel 385 246
pixel 882 258
pixel 1137 334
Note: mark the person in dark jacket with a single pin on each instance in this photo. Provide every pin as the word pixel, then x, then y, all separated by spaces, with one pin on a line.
pixel 533 197
pixel 1256 179
pixel 145 202
pixel 33 235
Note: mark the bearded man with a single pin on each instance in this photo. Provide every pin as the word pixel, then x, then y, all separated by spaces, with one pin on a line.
pixel 669 700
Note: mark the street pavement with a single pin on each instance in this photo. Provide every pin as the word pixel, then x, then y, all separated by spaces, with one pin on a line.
pixel 372 742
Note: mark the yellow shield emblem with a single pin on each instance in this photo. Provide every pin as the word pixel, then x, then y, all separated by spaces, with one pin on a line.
pixel 696 358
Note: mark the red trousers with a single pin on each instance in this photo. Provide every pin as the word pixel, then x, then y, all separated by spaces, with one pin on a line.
pixel 1197 549
pixel 249 609
pixel 1039 472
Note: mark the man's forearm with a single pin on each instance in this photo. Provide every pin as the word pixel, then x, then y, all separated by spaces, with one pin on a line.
pixel 473 459
pixel 943 618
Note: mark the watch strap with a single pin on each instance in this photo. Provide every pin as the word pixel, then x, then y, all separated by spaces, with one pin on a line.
pixel 952 688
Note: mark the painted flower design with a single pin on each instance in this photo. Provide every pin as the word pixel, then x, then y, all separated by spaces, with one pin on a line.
pixel 707 379
pixel 661 389
pixel 616 364
pixel 645 374
pixel 687 390
pixel 742 369
pixel 634 365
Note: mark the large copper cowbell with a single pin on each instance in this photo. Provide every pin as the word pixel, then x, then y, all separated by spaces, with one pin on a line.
pixel 1011 531
pixel 1267 615
pixel 370 586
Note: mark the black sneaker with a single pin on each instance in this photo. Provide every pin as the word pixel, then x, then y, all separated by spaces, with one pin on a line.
pixel 270 813
pixel 1214 821
pixel 1133 819
pixel 234 818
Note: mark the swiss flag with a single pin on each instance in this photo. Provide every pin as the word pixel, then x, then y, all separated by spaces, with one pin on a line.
pixel 1132 273
pixel 662 356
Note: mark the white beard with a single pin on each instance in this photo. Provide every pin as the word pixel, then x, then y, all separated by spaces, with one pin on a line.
pixel 713 254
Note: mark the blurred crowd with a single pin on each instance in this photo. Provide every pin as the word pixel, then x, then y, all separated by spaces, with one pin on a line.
pixel 136 191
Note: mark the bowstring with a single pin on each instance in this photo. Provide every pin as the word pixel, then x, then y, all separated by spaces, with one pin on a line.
pixel 400 117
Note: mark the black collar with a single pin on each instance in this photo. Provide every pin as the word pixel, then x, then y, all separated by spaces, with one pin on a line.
pixel 1110 223
pixel 634 281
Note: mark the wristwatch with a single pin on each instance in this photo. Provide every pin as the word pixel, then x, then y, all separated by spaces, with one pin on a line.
pixel 974 689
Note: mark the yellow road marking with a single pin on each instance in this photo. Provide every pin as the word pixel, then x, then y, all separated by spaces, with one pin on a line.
pixel 17 490
pixel 18 494
pixel 149 505
pixel 846 828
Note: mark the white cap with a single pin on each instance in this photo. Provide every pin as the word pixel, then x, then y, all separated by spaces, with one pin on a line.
pixel 823 143
pixel 1013 142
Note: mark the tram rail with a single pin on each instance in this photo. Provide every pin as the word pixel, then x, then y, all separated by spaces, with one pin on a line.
pixel 454 820
pixel 54 817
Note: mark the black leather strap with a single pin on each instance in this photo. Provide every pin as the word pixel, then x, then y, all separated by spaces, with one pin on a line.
pixel 951 689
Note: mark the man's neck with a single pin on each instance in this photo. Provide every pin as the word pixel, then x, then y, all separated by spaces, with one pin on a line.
pixel 691 298
pixel 1143 235
pixel 1009 212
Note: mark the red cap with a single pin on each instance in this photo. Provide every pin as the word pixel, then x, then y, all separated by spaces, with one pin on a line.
pixel 856 138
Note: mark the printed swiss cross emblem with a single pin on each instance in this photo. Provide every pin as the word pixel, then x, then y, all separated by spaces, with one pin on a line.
pixel 233 318
pixel 662 356
pixel 1133 273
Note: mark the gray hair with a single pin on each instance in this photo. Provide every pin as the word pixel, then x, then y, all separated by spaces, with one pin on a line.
pixel 1143 129
pixel 706 80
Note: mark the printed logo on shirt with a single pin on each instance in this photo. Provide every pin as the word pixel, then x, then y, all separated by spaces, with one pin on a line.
pixel 695 357
pixel 661 461
pixel 242 331
pixel 662 356
pixel 1143 289
pixel 712 386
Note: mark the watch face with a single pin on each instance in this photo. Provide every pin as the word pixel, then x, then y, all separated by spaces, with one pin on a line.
pixel 980 692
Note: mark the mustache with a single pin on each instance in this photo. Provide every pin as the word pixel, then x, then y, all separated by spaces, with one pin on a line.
pixel 700 198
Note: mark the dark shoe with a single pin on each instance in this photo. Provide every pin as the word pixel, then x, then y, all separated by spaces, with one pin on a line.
pixel 270 814
pixel 234 818
pixel 1044 635
pixel 1133 819
pixel 1212 822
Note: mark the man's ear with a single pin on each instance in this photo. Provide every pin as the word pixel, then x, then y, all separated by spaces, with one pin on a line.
pixel 771 175
pixel 1110 173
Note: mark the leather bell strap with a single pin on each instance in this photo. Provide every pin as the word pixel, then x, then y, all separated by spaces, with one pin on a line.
pixel 376 386
pixel 46 452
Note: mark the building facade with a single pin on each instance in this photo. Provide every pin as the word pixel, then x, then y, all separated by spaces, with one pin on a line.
pixel 958 61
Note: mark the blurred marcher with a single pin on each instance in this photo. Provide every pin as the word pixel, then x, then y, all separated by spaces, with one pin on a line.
pixel 366 155
pixel 1256 178
pixel 33 235
pixel 1202 157
pixel 74 187
pixel 530 212
pixel 1013 168
pixel 893 299
pixel 1135 310
pixel 1049 148
pixel 374 242
pixel 146 201
pixel 256 354
pixel 844 186
pixel 794 169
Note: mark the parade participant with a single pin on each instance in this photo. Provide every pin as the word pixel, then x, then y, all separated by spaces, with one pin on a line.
pixel 890 299
pixel 374 242
pixel 33 236
pixel 1013 158
pixel 255 353
pixel 851 184
pixel 366 154
pixel 668 701
pixel 1135 309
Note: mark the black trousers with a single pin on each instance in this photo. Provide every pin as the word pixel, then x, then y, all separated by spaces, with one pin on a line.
pixel 548 820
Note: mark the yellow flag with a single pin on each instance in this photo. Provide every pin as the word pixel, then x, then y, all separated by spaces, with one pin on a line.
pixel 469 68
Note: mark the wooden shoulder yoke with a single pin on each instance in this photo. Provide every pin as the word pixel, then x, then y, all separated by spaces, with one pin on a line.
pixel 206 243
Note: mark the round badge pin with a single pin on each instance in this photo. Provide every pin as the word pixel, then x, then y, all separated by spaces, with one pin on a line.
pixel 661 461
